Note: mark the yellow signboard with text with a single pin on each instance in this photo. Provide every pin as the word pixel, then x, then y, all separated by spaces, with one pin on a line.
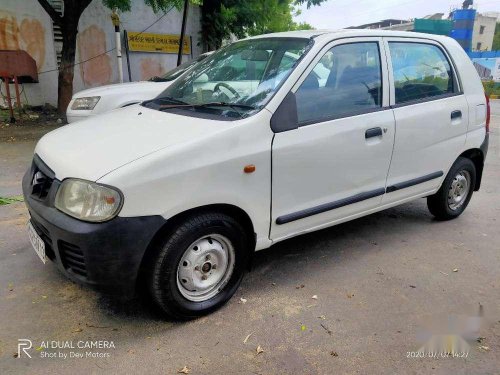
pixel 164 43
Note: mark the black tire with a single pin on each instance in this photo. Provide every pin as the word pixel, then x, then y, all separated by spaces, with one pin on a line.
pixel 438 203
pixel 162 281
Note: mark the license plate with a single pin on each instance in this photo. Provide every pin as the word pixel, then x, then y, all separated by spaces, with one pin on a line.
pixel 36 242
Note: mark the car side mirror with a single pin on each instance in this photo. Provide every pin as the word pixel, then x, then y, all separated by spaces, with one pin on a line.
pixel 285 117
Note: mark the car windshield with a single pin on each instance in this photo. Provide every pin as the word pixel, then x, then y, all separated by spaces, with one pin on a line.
pixel 236 81
pixel 176 72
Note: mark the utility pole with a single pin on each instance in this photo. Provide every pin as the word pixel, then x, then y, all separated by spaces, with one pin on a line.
pixel 183 31
pixel 116 23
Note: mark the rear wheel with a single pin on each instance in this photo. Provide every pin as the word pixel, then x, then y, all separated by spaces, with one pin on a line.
pixel 455 192
pixel 199 266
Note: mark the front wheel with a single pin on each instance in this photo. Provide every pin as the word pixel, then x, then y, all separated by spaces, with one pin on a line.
pixel 199 266
pixel 456 191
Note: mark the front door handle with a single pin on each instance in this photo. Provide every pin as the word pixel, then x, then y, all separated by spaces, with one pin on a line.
pixel 456 114
pixel 373 132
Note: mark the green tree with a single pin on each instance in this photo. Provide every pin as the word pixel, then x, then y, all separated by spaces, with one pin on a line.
pixel 496 38
pixel 68 23
pixel 222 18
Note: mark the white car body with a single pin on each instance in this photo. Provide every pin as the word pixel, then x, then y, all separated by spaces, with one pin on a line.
pixel 306 177
pixel 133 145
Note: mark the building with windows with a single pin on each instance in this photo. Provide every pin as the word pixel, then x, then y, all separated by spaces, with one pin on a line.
pixel 24 25
pixel 474 31
pixel 483 33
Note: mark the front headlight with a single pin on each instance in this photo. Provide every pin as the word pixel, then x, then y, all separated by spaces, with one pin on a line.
pixel 87 103
pixel 88 201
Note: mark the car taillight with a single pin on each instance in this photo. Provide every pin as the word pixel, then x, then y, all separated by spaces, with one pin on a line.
pixel 488 114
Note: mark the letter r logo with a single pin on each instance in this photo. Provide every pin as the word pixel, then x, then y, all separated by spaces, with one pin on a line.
pixel 24 345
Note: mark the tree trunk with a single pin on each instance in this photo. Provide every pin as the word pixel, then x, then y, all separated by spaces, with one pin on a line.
pixel 67 68
pixel 68 23
pixel 210 25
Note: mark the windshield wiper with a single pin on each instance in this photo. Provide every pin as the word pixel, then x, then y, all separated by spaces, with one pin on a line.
pixel 225 104
pixel 176 102
pixel 181 104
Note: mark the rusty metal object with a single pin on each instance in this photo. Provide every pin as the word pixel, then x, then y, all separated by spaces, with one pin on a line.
pixel 18 64
pixel 9 102
pixel 16 67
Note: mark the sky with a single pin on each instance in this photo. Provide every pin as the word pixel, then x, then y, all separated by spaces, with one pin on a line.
pixel 337 14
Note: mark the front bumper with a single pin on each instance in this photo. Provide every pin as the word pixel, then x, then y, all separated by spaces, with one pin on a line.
pixel 106 255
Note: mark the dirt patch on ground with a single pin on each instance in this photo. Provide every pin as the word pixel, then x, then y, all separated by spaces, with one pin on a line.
pixel 30 125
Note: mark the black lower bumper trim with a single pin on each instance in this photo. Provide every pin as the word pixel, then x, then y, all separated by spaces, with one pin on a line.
pixel 104 255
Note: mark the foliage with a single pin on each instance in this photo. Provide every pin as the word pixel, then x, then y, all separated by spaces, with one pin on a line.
pixel 496 38
pixel 255 17
pixel 491 87
pixel 241 18
pixel 9 200
pixel 309 3
pixel 156 5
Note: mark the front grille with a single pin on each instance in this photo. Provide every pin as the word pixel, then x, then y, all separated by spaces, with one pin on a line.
pixel 40 184
pixel 45 236
pixel 72 258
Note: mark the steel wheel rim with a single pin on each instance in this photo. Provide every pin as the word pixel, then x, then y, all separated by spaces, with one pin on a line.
pixel 459 190
pixel 205 267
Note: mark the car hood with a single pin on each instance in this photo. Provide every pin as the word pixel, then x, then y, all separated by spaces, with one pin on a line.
pixel 121 88
pixel 93 148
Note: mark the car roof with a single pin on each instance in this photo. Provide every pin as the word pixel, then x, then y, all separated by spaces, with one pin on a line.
pixel 343 33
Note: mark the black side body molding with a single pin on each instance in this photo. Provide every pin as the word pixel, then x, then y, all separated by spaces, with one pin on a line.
pixel 329 206
pixel 415 181
pixel 354 199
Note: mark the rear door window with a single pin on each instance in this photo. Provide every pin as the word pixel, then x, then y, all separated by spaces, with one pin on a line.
pixel 421 72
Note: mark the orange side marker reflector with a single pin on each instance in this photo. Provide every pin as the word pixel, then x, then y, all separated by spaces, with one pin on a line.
pixel 109 200
pixel 250 168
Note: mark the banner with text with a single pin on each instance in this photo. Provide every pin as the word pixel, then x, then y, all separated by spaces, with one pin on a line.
pixel 163 43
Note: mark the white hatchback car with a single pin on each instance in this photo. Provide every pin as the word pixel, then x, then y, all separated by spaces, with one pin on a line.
pixel 250 148
pixel 97 100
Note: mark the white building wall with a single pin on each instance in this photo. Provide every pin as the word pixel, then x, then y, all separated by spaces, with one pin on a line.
pixel 96 35
pixel 25 25
pixel 485 38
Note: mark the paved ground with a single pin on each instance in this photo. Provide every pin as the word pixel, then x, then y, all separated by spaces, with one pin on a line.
pixel 375 278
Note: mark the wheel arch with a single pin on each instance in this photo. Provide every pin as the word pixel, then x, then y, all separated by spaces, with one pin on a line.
pixel 477 157
pixel 234 211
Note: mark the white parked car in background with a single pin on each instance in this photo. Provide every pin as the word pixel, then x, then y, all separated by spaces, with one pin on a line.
pixel 253 147
pixel 102 99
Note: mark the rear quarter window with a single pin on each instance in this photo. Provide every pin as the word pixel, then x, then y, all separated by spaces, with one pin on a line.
pixel 421 72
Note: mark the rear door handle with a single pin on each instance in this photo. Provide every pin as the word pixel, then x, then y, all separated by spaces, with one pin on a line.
pixel 373 132
pixel 456 114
